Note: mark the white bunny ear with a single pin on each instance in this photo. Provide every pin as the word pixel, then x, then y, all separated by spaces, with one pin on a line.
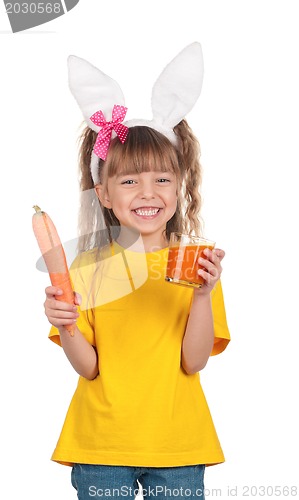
pixel 93 90
pixel 178 87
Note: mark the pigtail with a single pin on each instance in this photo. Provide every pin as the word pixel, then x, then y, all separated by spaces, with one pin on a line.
pixel 191 176
pixel 86 143
pixel 88 219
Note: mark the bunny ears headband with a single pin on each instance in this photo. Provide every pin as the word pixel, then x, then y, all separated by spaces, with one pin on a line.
pixel 102 102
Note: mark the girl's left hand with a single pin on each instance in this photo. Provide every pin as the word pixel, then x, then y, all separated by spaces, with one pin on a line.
pixel 212 270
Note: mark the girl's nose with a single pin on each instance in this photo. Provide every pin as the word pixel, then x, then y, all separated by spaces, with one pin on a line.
pixel 147 195
pixel 147 191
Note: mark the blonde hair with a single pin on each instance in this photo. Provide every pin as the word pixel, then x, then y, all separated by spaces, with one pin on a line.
pixel 145 149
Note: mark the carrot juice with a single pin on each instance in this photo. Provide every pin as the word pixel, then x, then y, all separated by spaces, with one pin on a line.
pixel 182 265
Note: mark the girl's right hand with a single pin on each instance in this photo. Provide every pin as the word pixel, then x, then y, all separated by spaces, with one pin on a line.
pixel 60 313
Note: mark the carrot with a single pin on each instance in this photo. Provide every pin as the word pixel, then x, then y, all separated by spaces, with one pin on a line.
pixel 54 256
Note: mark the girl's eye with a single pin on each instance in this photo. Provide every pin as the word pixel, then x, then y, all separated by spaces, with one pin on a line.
pixel 163 180
pixel 128 181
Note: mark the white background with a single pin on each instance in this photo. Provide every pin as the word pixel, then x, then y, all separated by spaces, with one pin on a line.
pixel 247 122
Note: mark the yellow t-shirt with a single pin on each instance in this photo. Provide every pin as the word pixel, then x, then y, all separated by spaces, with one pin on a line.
pixel 142 410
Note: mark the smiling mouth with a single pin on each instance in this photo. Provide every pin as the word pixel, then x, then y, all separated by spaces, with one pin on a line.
pixel 147 212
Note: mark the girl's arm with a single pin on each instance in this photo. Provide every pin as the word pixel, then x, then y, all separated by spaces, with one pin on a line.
pixel 199 335
pixel 81 354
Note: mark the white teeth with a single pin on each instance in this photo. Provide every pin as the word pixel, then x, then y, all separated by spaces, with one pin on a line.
pixel 147 213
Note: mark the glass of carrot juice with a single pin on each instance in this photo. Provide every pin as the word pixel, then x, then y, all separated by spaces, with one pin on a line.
pixel 184 252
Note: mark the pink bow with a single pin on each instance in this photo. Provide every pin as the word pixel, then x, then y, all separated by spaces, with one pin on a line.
pixel 104 136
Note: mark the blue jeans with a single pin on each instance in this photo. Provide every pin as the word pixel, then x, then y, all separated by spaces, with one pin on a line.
pixel 117 481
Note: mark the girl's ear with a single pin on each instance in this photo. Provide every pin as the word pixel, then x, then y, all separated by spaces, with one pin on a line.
pixel 102 194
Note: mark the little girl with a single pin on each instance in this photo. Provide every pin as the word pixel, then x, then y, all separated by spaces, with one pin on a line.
pixel 138 415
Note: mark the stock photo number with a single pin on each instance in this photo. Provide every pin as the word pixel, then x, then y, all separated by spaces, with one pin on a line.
pixel 33 8
pixel 261 491
pixel 26 15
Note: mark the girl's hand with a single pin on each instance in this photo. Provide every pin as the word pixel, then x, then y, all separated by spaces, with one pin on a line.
pixel 212 270
pixel 60 313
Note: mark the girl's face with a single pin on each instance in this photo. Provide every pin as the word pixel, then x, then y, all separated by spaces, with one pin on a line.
pixel 144 202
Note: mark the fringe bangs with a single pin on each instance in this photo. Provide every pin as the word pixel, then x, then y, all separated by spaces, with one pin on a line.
pixel 144 150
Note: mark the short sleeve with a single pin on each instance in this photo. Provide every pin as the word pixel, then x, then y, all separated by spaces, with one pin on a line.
pixel 80 272
pixel 222 335
pixel 84 325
